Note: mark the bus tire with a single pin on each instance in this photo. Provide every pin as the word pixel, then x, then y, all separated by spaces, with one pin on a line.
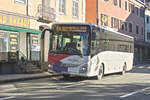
pixel 124 69
pixel 66 76
pixel 100 72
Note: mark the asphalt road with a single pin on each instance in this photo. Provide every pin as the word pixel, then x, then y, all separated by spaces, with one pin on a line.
pixel 134 85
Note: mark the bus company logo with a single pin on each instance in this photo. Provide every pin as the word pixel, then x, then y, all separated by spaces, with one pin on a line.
pixel 69 65
pixel 74 60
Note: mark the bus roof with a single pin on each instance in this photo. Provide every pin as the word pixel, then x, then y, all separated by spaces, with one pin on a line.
pixel 91 25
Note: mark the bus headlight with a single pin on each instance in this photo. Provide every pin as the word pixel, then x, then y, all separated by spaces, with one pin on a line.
pixel 50 66
pixel 83 69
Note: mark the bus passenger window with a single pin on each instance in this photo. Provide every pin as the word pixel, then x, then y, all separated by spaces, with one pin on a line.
pixel 93 36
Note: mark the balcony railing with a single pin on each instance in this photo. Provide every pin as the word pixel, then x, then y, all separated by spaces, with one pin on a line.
pixel 46 14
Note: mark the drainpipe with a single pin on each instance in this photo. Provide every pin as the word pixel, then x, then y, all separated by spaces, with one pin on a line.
pixel 97 12
pixel 27 8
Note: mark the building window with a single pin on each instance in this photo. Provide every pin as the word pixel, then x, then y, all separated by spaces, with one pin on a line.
pixel 126 26
pixel 130 27
pixel 121 25
pixel 62 6
pixel 137 11
pixel 120 3
pixel 104 20
pixel 35 47
pixel 115 2
pixel 137 29
pixel 116 23
pixel 46 3
pixel 129 7
pixel 21 1
pixel 75 8
pixel 147 19
pixel 141 12
pixel 148 35
pixel 142 31
pixel 126 5
pixel 132 7
pixel 112 22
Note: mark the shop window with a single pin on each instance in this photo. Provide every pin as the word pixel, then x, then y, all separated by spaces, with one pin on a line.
pixel 13 47
pixel 3 46
pixel 8 46
pixel 35 47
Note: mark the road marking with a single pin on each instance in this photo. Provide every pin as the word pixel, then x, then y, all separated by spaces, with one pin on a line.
pixel 7 98
pixel 73 85
pixel 132 93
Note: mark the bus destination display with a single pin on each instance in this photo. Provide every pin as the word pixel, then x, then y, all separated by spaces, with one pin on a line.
pixel 71 28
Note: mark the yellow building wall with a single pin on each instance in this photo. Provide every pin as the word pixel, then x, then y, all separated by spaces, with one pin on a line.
pixel 12 6
pixel 68 16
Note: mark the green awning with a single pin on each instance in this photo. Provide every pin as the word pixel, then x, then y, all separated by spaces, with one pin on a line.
pixel 9 28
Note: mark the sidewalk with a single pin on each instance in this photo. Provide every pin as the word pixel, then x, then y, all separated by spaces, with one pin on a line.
pixel 20 77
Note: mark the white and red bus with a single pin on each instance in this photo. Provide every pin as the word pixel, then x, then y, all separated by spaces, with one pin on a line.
pixel 84 49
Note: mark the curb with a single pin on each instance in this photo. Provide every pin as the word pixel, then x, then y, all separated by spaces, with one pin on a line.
pixel 24 78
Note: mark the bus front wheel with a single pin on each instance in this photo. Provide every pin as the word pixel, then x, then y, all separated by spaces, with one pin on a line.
pixel 66 76
pixel 100 72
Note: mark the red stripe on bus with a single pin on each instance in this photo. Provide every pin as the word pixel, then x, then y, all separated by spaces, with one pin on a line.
pixel 54 58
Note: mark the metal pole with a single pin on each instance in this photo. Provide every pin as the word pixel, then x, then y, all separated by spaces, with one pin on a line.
pixel 27 8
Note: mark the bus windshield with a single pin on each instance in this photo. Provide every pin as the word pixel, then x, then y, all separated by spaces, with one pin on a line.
pixel 73 43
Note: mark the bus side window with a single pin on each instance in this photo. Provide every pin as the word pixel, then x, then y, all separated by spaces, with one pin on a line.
pixel 93 40
pixel 93 35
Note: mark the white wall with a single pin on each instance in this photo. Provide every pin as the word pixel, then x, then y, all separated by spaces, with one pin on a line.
pixel 46 45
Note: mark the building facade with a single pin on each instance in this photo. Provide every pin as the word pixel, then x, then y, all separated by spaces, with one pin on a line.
pixel 91 15
pixel 19 40
pixel 21 29
pixel 125 16
pixel 147 30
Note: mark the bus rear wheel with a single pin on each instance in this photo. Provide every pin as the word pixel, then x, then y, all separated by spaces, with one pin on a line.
pixel 124 69
pixel 100 72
